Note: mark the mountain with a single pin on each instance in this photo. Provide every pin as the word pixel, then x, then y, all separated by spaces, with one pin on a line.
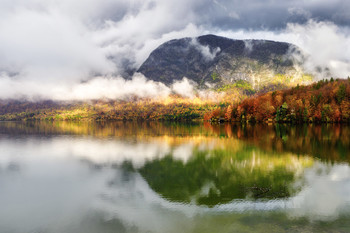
pixel 219 61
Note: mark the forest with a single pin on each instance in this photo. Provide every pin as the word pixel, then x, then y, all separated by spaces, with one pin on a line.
pixel 105 110
pixel 323 101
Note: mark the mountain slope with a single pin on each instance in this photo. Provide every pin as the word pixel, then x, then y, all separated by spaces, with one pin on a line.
pixel 221 61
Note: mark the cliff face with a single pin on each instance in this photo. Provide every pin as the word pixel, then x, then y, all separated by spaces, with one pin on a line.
pixel 221 61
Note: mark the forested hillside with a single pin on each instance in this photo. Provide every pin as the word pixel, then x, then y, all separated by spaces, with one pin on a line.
pixel 324 101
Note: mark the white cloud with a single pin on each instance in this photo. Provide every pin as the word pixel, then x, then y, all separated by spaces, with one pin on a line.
pixel 208 54
pixel 184 87
pixel 100 87
pixel 50 45
pixel 76 49
pixel 326 44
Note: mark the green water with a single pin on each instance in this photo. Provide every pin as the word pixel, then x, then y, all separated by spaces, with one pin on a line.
pixel 167 177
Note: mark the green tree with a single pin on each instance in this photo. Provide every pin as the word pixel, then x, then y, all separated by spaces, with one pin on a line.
pixel 341 93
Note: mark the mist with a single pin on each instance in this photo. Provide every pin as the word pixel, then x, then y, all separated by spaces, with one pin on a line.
pixel 325 45
pixel 83 49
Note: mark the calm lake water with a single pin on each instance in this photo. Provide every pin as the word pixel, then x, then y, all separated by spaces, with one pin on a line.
pixel 162 177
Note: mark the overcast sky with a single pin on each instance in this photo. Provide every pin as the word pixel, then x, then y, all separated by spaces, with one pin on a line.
pixel 63 42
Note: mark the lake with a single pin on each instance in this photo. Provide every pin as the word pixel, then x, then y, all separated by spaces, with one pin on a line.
pixel 171 177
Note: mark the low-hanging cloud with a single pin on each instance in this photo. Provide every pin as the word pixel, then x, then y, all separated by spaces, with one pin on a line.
pixel 326 46
pixel 207 53
pixel 98 87
pixel 66 49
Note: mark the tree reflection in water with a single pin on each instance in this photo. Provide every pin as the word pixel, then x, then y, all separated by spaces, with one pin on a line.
pixel 215 164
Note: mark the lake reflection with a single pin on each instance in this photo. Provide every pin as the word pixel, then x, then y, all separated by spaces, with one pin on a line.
pixel 162 177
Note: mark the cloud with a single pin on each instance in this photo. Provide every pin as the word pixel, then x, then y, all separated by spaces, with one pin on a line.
pixel 299 12
pixel 116 88
pixel 248 45
pixel 326 45
pixel 184 87
pixel 65 49
pixel 99 87
pixel 50 45
pixel 50 40
pixel 207 53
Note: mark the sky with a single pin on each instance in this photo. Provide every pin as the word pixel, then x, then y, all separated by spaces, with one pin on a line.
pixel 56 48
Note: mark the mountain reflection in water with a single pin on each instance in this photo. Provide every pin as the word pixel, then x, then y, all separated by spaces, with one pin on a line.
pixel 148 177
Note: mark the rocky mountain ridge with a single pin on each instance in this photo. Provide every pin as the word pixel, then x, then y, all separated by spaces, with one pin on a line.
pixel 211 60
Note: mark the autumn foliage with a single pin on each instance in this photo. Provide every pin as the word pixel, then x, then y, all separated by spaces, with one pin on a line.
pixel 102 110
pixel 324 101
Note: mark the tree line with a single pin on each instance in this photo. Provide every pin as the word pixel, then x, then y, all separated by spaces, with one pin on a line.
pixel 323 101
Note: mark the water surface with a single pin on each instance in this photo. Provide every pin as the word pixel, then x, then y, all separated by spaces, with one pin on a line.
pixel 161 177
